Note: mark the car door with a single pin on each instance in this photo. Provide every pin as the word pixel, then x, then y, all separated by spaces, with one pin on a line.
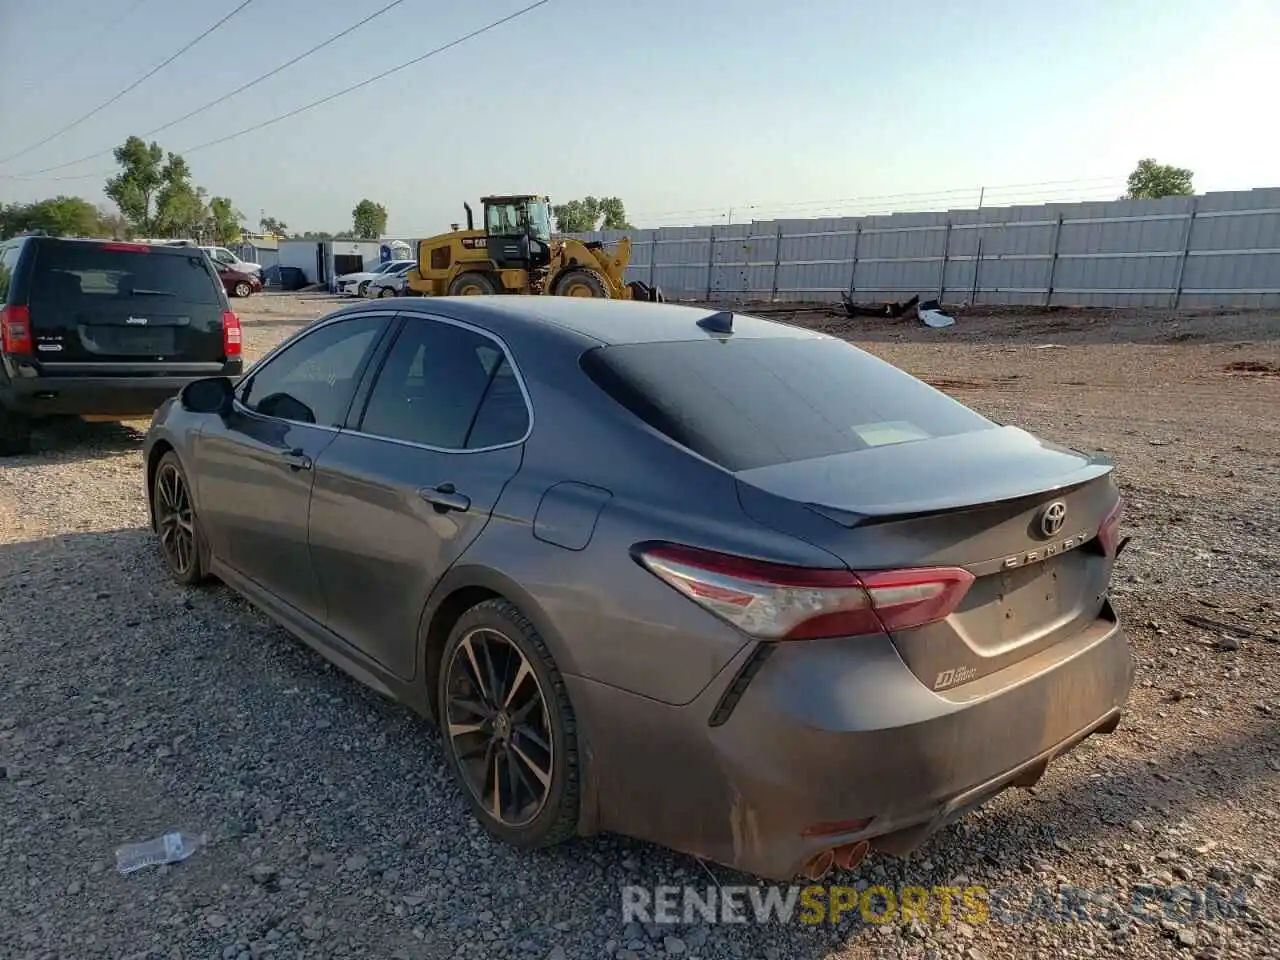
pixel 400 495
pixel 255 467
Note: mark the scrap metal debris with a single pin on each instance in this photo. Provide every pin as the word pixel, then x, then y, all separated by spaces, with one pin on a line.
pixel 890 310
pixel 930 311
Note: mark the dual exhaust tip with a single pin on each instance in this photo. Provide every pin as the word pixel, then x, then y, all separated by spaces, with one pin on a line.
pixel 846 857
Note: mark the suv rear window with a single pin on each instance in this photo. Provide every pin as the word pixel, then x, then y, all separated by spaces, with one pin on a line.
pixel 754 403
pixel 76 271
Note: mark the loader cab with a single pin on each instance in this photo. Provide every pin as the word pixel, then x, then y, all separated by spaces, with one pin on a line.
pixel 518 231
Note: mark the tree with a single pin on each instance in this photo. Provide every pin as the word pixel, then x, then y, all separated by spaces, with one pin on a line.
pixel 585 215
pixel 1151 181
pixel 224 221
pixel 140 177
pixel 277 228
pixel 369 220
pixel 180 205
pixel 58 217
pixel 615 214
pixel 577 216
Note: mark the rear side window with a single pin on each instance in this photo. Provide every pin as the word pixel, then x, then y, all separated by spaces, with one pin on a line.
pixel 76 272
pixel 8 265
pixel 754 403
pixel 448 387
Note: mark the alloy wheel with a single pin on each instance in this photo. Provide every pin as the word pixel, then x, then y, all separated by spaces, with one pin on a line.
pixel 498 726
pixel 175 519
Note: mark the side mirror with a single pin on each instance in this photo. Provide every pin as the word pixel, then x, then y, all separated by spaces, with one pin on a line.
pixel 210 395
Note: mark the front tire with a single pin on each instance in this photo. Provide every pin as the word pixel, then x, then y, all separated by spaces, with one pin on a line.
pixel 182 541
pixel 510 736
pixel 242 289
pixel 582 283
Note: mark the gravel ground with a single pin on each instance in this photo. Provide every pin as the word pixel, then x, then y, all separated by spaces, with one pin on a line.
pixel 129 707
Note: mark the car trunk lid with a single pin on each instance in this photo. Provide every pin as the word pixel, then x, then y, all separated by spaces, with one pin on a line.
pixel 1022 516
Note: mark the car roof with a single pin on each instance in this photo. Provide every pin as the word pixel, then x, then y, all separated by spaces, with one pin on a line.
pixel 607 322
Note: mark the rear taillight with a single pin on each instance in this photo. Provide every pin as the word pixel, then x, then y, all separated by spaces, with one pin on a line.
pixel 15 330
pixel 777 602
pixel 1109 532
pixel 231 343
pixel 127 247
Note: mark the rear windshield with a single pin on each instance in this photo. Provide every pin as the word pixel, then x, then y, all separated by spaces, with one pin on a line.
pixel 755 403
pixel 65 271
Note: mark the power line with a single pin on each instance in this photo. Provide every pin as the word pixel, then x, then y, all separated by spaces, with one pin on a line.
pixel 133 86
pixel 323 100
pixel 226 96
pixel 373 79
pixel 928 195
pixel 1073 191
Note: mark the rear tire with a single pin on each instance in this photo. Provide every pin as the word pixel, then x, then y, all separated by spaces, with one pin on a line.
pixel 510 736
pixel 582 283
pixel 385 292
pixel 473 283
pixel 182 541
pixel 15 434
pixel 242 289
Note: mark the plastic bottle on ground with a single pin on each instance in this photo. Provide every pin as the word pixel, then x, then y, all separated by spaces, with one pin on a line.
pixel 170 848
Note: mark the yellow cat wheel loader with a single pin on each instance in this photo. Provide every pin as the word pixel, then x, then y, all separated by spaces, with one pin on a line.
pixel 514 253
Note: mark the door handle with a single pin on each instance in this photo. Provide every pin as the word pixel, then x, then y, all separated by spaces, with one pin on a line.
pixel 296 459
pixel 445 497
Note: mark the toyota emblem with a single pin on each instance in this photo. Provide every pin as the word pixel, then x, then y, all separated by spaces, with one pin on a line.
pixel 1052 519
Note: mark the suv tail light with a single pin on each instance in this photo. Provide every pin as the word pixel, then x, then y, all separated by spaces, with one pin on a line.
pixel 231 335
pixel 776 602
pixel 15 330
pixel 1109 532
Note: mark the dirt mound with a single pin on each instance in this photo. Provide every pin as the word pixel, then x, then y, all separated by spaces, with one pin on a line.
pixel 1254 366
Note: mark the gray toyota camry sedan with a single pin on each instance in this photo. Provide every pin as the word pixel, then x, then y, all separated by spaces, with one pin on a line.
pixel 724 584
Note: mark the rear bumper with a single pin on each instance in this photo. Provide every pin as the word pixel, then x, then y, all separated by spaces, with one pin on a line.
pixel 836 731
pixel 122 396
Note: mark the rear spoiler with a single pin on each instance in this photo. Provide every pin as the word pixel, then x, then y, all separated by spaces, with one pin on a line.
pixel 944 504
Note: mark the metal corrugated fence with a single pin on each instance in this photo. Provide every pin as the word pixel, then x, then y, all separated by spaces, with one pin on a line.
pixel 1212 250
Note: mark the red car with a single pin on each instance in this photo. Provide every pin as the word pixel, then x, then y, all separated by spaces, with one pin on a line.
pixel 238 284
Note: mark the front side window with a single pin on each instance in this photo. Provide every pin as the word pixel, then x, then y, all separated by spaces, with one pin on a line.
pixel 313 379
pixel 448 387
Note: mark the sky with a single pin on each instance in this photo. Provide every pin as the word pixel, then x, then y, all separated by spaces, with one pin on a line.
pixel 691 111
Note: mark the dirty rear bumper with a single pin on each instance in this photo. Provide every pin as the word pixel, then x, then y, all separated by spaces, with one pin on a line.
pixel 829 732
